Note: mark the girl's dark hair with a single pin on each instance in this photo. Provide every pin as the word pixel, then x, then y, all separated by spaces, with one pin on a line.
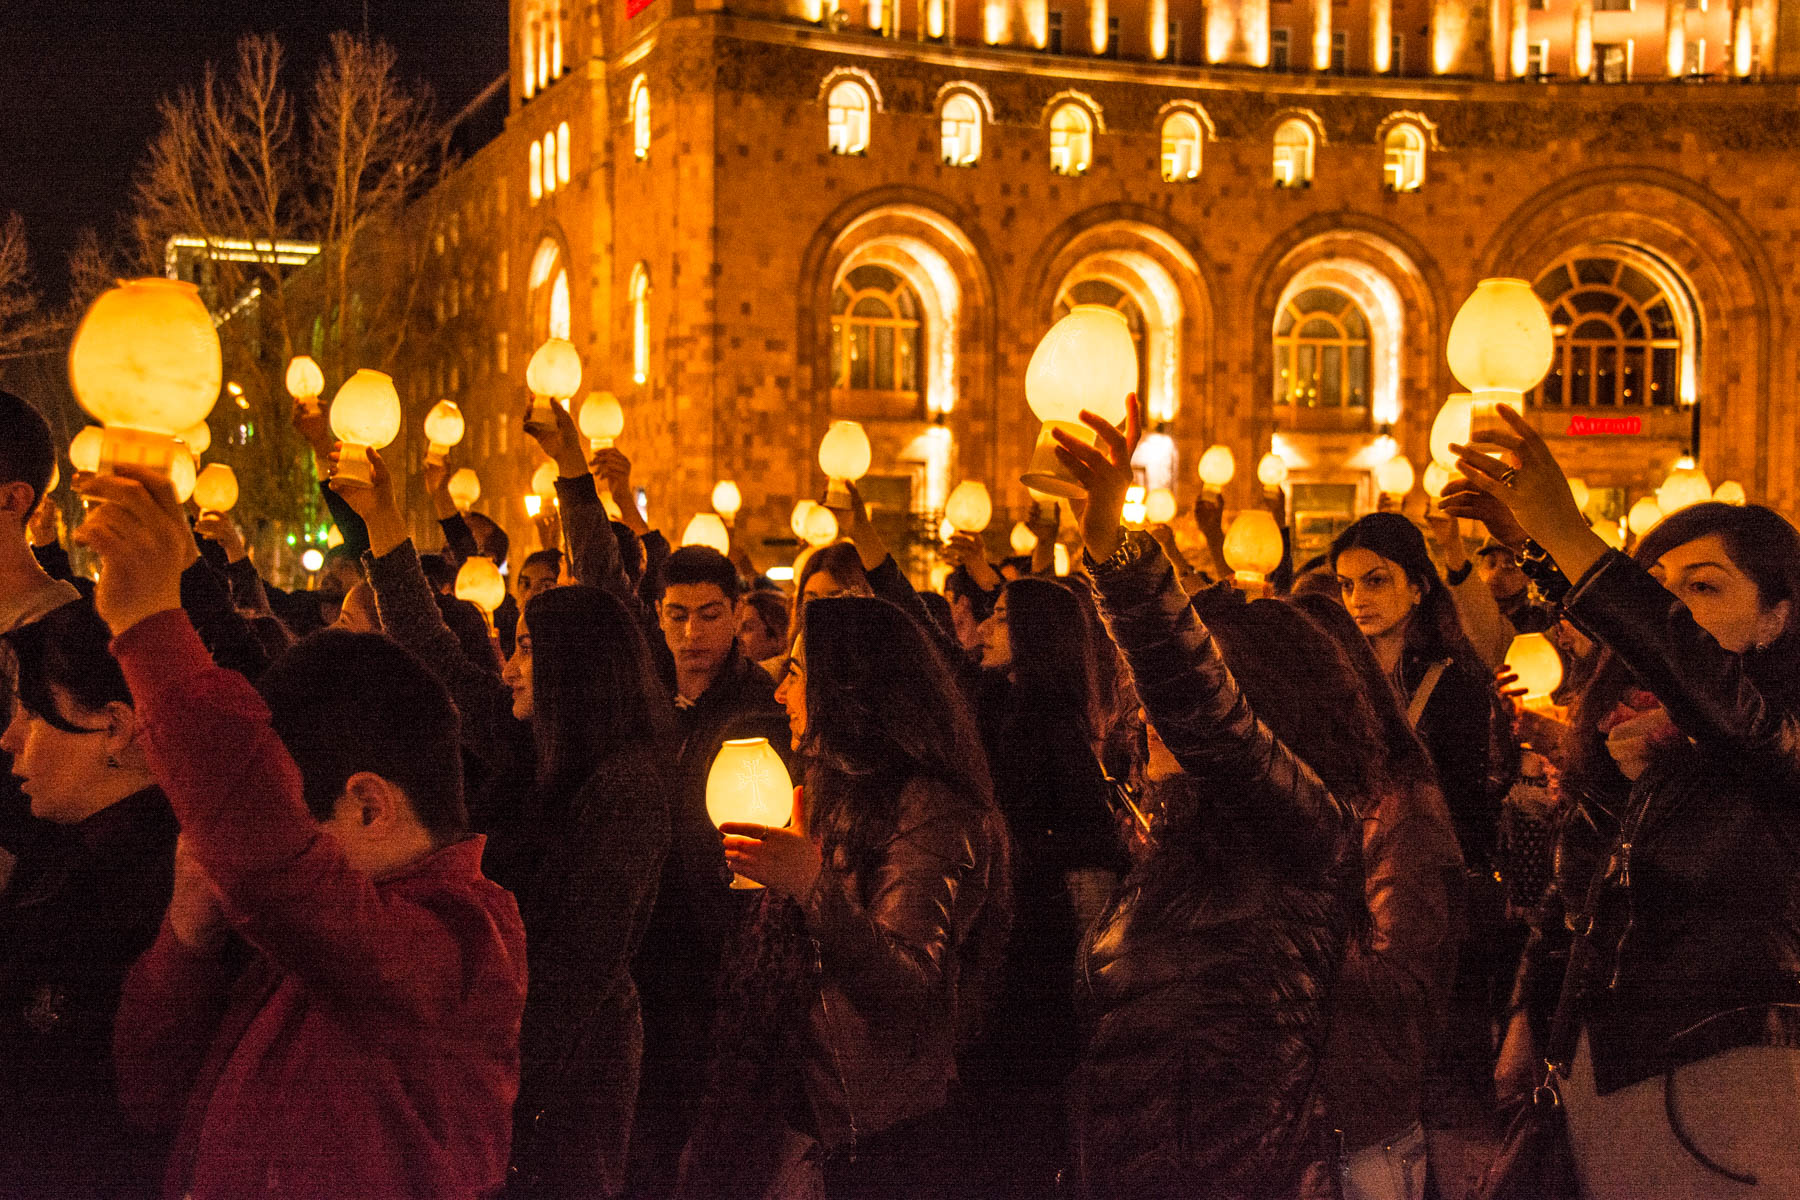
pixel 1052 655
pixel 1762 545
pixel 772 608
pixel 960 583
pixel 593 685
pixel 1435 630
pixel 67 648
pixel 881 710
pixel 838 560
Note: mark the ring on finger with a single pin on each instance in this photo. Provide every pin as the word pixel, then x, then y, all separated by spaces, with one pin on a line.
pixel 1507 476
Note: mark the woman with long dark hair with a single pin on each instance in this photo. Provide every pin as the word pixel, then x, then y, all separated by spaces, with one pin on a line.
pixel 882 932
pixel 597 830
pixel 1677 1067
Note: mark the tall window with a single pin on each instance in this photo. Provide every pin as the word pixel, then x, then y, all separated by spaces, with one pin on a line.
pixel 1071 140
pixel 847 117
pixel 1403 158
pixel 877 343
pixel 1182 138
pixel 1612 62
pixel 1053 38
pixel 1322 352
pixel 1278 49
pixel 562 153
pixel 1340 52
pixel 640 119
pixel 960 125
pixel 640 324
pixel 1618 342
pixel 551 311
pixel 535 170
pixel 1294 154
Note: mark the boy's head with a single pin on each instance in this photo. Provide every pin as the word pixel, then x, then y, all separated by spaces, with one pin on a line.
pixel 699 609
pixel 538 573
pixel 377 741
pixel 27 458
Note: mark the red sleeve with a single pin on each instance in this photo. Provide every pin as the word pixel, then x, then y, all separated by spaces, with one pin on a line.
pixel 168 1014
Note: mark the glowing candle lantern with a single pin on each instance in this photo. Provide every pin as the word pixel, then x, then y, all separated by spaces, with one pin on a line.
pixel 797 519
pixel 1217 466
pixel 1023 540
pixel 84 451
pixel 534 504
pixel 1452 424
pixel 1484 413
pixel 1159 506
pixel 145 363
pixel 1731 492
pixel 1272 471
pixel 444 428
pixel 749 785
pixel 727 500
pixel 1395 477
pixel 216 489
pixel 1644 515
pixel 554 373
pixel 969 508
pixel 311 559
pixel 543 481
pixel 333 537
pixel 365 415
pixel 1500 340
pixel 478 581
pixel 1060 560
pixel 821 526
pixel 182 476
pixel 1086 362
pixel 197 438
pixel 1687 484
pixel 1253 545
pixel 305 383
pixel 1133 511
pixel 706 529
pixel 1578 491
pixel 464 488
pixel 1539 667
pixel 844 457
pixel 601 420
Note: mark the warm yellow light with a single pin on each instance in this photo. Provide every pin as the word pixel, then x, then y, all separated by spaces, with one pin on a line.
pixel 707 529
pixel 554 372
pixel 601 420
pixel 1159 506
pixel 1610 534
pixel 311 559
pixel 1253 545
pixel 1060 560
pixel 946 530
pixel 748 784
pixel 55 478
pixel 969 508
pixel 1086 362
pixel 821 526
pixel 1500 340
pixel 478 581
pixel 1537 664
pixel 534 504
pixel 1685 486
pixel 543 480
pixel 1133 511
pixel 1452 424
pixel 1731 492
pixel 843 455
pixel 797 519
pixel 727 500
pixel 181 476
pixel 1435 480
pixel 1272 471
pixel 197 438
pixel 333 537
pixel 216 488
pixel 365 414
pixel 1484 413
pixel 1644 516
pixel 1217 466
pixel 305 382
pixel 1395 477
pixel 1023 540
pixel 464 488
pixel 444 428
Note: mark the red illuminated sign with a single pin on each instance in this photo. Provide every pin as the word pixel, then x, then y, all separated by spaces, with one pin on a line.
pixel 634 7
pixel 1589 426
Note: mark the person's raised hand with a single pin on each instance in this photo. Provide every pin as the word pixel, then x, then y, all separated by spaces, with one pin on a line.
pixel 969 550
pixel 375 504
pixel 1464 499
pixel 219 528
pixel 141 534
pixel 1634 742
pixel 1044 520
pixel 612 474
pixel 1104 471
pixel 196 914
pixel 313 425
pixel 1209 515
pixel 560 440
pixel 1536 492
pixel 784 860
pixel 854 520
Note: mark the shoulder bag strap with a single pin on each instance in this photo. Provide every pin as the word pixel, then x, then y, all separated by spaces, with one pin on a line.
pixel 1422 694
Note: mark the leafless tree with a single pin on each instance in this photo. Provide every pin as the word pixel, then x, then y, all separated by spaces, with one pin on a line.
pixel 22 318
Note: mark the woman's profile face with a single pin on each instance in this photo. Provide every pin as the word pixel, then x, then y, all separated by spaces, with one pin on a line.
pixel 62 770
pixel 1376 591
pixel 1721 597
pixel 823 585
pixel 790 693
pixel 996 638
pixel 517 674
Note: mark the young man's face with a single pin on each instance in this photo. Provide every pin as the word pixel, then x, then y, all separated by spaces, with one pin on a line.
pixel 534 578
pixel 701 626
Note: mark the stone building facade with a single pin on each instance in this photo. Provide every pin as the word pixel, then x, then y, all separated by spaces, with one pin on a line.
pixel 754 218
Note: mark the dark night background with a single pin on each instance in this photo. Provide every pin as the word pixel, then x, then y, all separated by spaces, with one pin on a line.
pixel 79 82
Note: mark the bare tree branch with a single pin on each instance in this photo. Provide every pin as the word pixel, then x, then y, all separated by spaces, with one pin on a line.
pixel 22 317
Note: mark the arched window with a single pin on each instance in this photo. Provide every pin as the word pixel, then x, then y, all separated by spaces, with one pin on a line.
pixel 528 58
pixel 960 124
pixel 535 170
pixel 1294 142
pixel 640 119
pixel 551 312
pixel 562 153
pixel 1403 158
pixel 847 117
pixel 877 343
pixel 556 53
pixel 1110 294
pixel 1322 352
pixel 1618 334
pixel 1071 140
pixel 1182 139
pixel 640 324
pixel 549 162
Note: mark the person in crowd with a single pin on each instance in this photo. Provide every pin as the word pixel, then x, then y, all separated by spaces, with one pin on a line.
pixel 1477 608
pixel 1208 983
pixel 1681 1079
pixel 369 1045
pixel 27 458
pixel 1395 988
pixel 541 571
pixel 1038 718
pixel 832 570
pixel 763 625
pixel 1499 569
pixel 76 913
pixel 971 588
pixel 882 929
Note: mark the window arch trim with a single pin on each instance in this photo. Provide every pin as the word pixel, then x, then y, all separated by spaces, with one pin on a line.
pixel 639 292
pixel 1671 290
pixel 638 118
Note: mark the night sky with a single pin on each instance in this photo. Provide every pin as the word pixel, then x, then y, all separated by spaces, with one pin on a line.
pixel 79 81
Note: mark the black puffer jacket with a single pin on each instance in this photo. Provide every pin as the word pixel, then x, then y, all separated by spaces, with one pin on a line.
pixel 1698 938
pixel 1206 985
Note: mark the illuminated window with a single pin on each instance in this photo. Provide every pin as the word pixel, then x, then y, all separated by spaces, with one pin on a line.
pixel 552 314
pixel 1294 154
pixel 1071 140
pixel 549 162
pixel 1618 334
pixel 527 60
pixel 640 324
pixel 556 53
pixel 562 153
pixel 1181 143
pixel 847 117
pixel 536 172
pixel 877 342
pixel 1403 158
pixel 960 124
pixel 1321 352
pixel 640 119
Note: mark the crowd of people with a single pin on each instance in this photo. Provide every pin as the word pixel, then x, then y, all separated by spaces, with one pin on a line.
pixel 1134 883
